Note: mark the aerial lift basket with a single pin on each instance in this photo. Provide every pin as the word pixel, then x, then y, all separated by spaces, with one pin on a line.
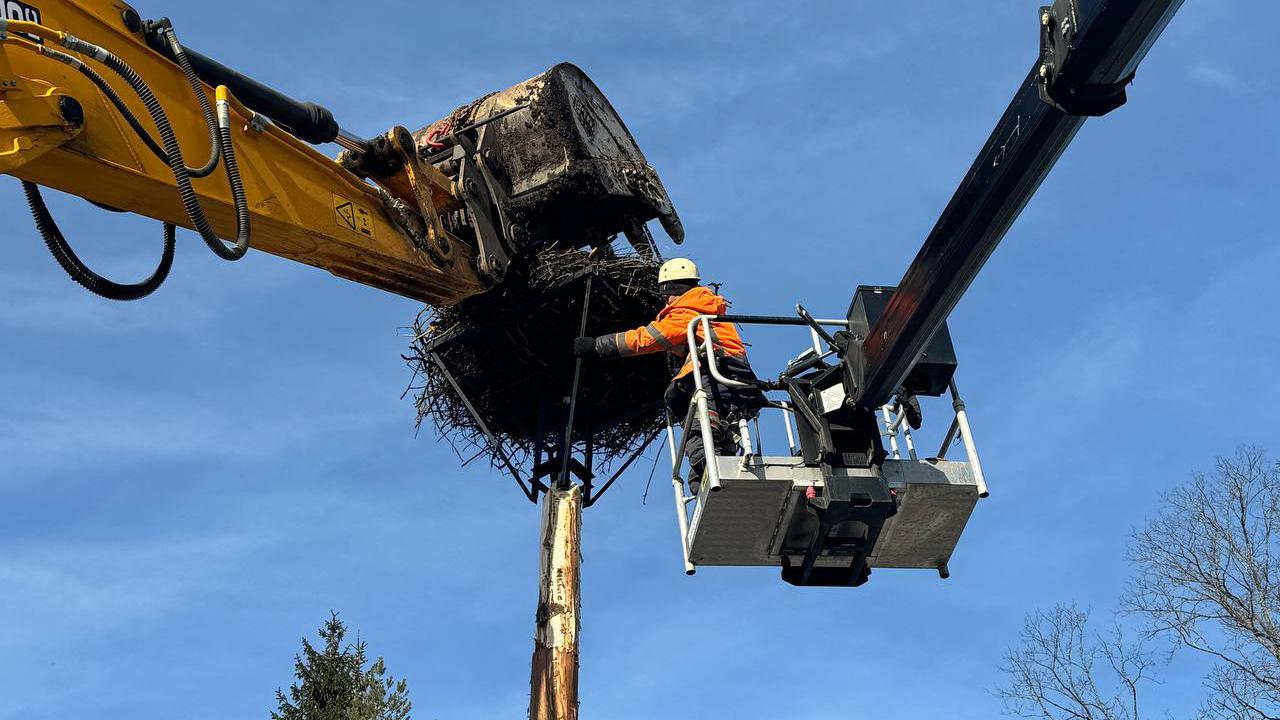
pixel 837 503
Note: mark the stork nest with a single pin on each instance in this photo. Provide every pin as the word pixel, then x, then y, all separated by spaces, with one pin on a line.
pixel 510 353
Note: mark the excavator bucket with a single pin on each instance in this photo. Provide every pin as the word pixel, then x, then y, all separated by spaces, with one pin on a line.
pixel 557 163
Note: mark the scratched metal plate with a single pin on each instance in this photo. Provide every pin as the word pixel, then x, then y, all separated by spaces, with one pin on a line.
pixel 739 524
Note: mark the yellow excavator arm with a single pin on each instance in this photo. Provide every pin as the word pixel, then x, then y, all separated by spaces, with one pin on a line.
pixel 87 89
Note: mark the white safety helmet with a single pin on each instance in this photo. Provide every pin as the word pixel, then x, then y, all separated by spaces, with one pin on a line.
pixel 678 269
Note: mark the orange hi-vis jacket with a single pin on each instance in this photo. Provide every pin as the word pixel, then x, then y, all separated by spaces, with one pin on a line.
pixel 668 332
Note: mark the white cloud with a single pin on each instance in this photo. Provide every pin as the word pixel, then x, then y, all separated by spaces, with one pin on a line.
pixel 107 423
pixel 107 584
pixel 1222 79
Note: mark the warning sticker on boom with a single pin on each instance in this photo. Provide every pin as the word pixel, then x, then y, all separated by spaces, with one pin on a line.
pixel 352 217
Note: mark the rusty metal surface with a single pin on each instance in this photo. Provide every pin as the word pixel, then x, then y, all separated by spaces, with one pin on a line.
pixel 574 173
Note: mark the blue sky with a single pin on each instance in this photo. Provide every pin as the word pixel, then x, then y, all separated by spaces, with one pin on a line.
pixel 190 483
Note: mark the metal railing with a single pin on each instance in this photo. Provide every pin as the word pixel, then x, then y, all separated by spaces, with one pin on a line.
pixel 895 427
pixel 699 412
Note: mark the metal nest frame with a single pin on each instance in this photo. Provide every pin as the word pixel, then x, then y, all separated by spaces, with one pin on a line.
pixel 573 453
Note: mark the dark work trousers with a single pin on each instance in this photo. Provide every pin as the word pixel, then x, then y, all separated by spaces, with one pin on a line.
pixel 731 404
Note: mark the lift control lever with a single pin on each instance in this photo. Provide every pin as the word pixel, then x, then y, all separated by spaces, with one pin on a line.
pixel 817 327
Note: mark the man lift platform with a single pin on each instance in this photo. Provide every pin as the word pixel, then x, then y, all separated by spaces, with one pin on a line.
pixel 837 503
pixel 761 516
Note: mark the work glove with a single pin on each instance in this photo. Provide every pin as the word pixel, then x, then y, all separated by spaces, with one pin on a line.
pixel 584 346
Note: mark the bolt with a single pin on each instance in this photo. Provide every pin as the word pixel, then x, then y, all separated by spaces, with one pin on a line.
pixel 472 187
pixel 71 110
pixel 1044 70
pixel 132 21
pixel 1045 18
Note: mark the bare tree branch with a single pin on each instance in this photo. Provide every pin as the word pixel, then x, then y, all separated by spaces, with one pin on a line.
pixel 1054 672
pixel 1206 576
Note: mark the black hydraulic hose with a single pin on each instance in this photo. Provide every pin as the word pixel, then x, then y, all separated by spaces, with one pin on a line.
pixel 215 149
pixel 232 169
pixel 123 109
pixel 132 119
pixel 79 272
pixel 190 201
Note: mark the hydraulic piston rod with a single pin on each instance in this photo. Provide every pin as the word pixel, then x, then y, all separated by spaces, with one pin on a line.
pixel 305 120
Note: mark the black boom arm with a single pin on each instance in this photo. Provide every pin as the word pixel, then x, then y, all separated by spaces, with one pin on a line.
pixel 1089 51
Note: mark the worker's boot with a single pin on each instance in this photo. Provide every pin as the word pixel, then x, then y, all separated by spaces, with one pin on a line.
pixel 695 481
pixel 731 442
pixel 725 435
pixel 911 406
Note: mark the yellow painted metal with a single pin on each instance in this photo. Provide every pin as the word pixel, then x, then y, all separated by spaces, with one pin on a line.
pixel 31 125
pixel 31 122
pixel 291 187
pixel 423 182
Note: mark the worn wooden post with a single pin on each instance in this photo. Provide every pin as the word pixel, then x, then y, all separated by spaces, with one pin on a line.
pixel 553 683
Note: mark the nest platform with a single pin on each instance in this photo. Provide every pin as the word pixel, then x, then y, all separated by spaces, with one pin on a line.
pixel 494 374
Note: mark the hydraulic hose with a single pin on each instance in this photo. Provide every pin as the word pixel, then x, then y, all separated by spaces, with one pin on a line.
pixel 173 152
pixel 232 168
pixel 111 96
pixel 57 243
pixel 132 120
pixel 184 62
pixel 79 272
pixel 222 150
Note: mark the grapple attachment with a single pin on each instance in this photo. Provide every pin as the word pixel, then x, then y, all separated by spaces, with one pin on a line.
pixel 546 162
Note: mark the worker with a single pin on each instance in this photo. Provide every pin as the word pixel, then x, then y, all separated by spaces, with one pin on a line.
pixel 686 298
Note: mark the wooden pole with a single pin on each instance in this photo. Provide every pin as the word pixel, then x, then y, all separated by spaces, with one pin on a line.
pixel 553 683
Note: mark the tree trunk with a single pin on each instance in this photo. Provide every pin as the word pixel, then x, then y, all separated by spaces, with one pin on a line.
pixel 553 684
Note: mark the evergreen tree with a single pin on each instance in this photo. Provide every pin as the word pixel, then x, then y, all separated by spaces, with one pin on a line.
pixel 333 683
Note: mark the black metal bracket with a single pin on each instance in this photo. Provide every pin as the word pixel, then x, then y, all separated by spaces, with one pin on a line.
pixel 1059 24
pixel 850 515
pixel 817 327
pixel 592 497
pixel 487 204
pixel 493 443
pixel 562 481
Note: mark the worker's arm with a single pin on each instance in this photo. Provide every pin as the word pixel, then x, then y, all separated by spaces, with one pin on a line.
pixel 668 333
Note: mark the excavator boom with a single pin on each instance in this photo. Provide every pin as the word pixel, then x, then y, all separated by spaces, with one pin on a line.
pixel 436 221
